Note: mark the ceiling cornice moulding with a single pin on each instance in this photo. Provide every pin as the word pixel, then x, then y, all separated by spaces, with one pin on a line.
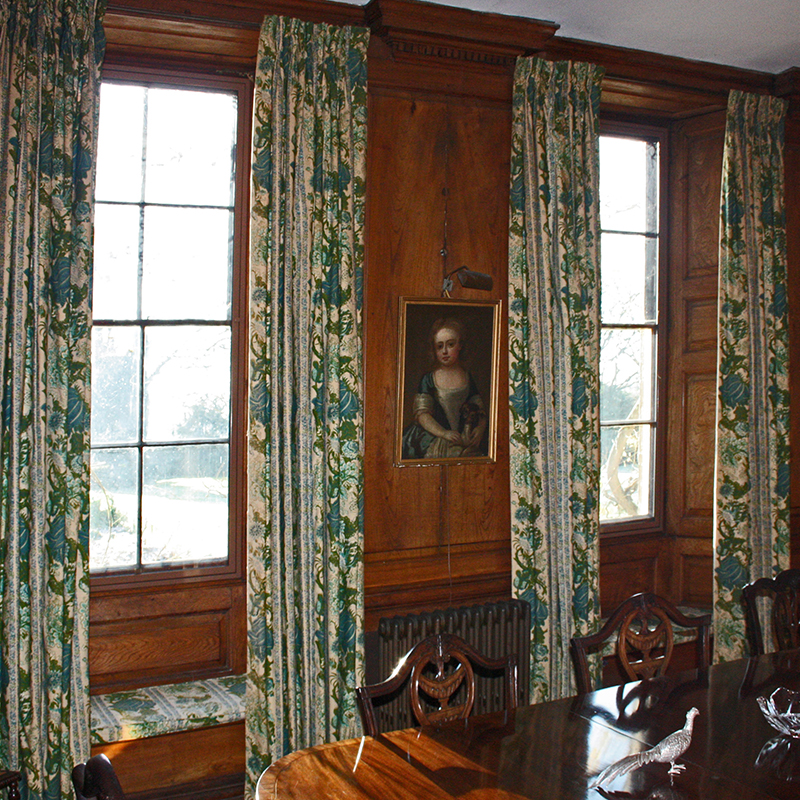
pixel 413 28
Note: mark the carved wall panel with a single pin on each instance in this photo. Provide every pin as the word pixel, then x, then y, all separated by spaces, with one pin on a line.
pixel 701 324
pixel 703 182
pixel 700 422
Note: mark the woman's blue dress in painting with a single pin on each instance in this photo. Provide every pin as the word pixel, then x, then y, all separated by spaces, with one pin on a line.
pixel 454 409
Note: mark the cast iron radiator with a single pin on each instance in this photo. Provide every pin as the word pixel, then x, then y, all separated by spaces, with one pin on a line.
pixel 493 629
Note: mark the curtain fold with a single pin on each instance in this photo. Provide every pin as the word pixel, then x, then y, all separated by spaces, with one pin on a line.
pixel 305 462
pixel 751 514
pixel 50 53
pixel 554 341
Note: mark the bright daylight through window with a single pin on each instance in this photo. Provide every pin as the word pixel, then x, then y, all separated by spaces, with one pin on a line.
pixel 161 339
pixel 629 309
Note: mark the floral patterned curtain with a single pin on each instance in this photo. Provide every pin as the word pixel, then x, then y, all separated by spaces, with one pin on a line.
pixel 752 482
pixel 50 52
pixel 554 340
pixel 305 539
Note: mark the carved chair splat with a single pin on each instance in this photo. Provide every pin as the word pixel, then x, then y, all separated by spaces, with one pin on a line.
pixel 441 677
pixel 784 590
pixel 643 626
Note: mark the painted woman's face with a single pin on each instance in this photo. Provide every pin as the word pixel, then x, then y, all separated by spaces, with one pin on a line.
pixel 447 346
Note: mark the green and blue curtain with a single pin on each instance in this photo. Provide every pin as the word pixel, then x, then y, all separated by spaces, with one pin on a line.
pixel 554 341
pixel 305 452
pixel 751 520
pixel 50 53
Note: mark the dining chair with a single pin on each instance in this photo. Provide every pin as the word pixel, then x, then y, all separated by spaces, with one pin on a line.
pixel 440 673
pixel 96 778
pixel 643 627
pixel 784 591
pixel 9 779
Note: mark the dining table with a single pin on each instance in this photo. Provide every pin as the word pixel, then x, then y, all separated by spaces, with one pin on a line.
pixel 553 749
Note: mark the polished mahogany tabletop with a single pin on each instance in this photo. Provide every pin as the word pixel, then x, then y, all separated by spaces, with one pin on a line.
pixel 551 750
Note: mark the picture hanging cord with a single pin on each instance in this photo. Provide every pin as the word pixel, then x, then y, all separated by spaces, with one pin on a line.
pixel 447 285
pixel 447 282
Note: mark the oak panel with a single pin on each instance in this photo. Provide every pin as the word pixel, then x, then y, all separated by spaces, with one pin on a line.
pixel 697 575
pixel 694 186
pixel 408 581
pixel 701 324
pixel 204 626
pixel 620 580
pixel 703 182
pixel 177 759
pixel 630 564
pixel 438 161
pixel 700 427
pixel 191 640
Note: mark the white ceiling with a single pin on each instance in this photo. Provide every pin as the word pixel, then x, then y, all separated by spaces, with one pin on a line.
pixel 761 35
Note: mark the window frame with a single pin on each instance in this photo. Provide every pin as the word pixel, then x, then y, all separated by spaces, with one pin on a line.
pixel 653 523
pixel 113 582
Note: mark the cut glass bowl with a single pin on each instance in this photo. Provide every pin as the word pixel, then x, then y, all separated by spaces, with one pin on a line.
pixel 782 710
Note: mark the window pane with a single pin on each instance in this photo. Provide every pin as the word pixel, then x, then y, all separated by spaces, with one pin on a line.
pixel 115 385
pixel 114 509
pixel 187 383
pixel 164 262
pixel 185 503
pixel 119 143
pixel 624 183
pixel 628 278
pixel 190 141
pixel 625 481
pixel 186 269
pixel 626 373
pixel 116 262
pixel 629 203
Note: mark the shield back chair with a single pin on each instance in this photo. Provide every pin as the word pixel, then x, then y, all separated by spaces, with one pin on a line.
pixel 9 779
pixel 784 591
pixel 643 628
pixel 440 673
pixel 96 778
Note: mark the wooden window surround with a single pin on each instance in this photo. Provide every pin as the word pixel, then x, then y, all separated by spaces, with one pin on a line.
pixel 173 624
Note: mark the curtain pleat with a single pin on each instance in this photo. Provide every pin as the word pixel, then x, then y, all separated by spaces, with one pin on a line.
pixel 751 519
pixel 554 340
pixel 50 53
pixel 305 463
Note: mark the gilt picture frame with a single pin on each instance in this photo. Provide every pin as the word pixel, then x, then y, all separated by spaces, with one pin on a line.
pixel 447 381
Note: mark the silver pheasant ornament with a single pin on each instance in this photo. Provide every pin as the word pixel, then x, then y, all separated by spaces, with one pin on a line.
pixel 667 751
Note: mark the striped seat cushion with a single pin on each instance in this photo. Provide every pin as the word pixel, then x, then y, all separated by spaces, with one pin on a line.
pixel 154 710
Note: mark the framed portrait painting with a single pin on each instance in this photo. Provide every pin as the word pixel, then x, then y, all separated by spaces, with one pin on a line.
pixel 447 381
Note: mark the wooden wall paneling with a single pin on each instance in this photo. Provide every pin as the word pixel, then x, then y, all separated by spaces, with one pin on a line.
pixel 143 40
pixel 209 760
pixel 629 565
pixel 695 180
pixel 692 574
pixel 128 648
pixel 435 535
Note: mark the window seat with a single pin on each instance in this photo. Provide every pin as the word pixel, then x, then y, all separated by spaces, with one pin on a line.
pixel 154 710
